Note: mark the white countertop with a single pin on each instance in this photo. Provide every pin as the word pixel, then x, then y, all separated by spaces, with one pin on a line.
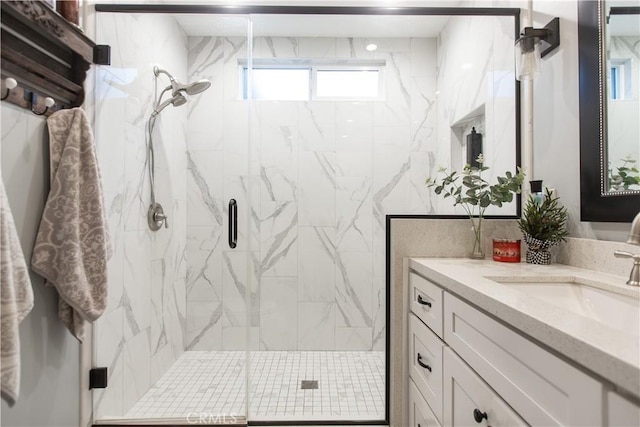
pixel 613 354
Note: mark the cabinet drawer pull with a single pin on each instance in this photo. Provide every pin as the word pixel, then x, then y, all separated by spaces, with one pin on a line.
pixel 479 415
pixel 423 302
pixel 427 367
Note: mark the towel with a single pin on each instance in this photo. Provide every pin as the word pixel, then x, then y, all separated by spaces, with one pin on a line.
pixel 72 245
pixel 16 301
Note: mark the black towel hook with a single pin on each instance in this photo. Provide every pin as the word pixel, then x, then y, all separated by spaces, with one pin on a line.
pixel 48 103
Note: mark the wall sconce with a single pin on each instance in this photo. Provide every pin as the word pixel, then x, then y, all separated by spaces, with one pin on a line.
pixel 534 44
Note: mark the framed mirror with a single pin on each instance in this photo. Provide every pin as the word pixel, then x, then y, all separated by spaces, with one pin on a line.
pixel 609 60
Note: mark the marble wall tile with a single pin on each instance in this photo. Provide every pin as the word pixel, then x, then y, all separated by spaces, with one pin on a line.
pixel 137 369
pixel 205 188
pixel 327 174
pixel 276 47
pixel 316 325
pixel 353 339
pixel 148 271
pixel 354 126
pixel 378 336
pixel 278 313
pixel 278 162
pixel 204 258
pixel 317 126
pixel 204 326
pixel 353 47
pixel 235 338
pixel 316 253
pixel 316 202
pixel 237 288
pixel 157 330
pixel 279 239
pixel 354 275
pixel 137 282
pixel 317 47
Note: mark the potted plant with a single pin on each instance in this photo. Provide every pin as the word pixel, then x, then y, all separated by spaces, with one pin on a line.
pixel 475 194
pixel 544 224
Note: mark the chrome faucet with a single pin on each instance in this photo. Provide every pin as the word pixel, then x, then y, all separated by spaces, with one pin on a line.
pixel 634 239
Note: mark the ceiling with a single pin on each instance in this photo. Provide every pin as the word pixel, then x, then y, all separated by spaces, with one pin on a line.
pixel 313 25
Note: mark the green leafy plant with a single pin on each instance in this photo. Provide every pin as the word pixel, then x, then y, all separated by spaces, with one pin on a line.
pixel 626 176
pixel 545 220
pixel 474 193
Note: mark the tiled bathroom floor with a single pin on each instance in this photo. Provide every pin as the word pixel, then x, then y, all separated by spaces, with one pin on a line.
pixel 350 386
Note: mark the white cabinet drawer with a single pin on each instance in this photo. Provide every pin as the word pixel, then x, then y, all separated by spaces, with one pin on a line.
pixel 541 387
pixel 420 415
pixel 425 363
pixel 621 412
pixel 470 401
pixel 425 301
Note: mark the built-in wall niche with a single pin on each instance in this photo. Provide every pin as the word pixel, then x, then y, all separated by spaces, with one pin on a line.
pixel 462 147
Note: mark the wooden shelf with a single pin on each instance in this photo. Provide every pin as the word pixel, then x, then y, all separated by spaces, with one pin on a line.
pixel 46 54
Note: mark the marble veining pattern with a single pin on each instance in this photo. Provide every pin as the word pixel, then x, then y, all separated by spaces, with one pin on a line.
pixel 328 173
pixel 143 330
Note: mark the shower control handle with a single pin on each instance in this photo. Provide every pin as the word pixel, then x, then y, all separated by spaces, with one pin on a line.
pixel 233 223
pixel 160 217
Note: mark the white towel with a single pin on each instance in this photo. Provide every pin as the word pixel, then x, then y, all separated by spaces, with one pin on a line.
pixel 72 246
pixel 16 301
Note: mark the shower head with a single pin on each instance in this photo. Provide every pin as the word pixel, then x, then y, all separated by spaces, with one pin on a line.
pixel 176 101
pixel 177 87
pixel 196 87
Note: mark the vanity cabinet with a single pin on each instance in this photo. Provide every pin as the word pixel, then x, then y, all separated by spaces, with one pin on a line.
pixel 470 401
pixel 467 368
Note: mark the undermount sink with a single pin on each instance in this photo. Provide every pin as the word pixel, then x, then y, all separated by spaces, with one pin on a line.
pixel 619 309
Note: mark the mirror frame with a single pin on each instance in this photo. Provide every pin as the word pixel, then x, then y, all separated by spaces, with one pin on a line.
pixel 595 203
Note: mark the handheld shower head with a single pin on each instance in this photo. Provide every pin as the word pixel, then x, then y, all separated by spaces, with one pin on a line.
pixel 177 87
pixel 197 87
pixel 176 101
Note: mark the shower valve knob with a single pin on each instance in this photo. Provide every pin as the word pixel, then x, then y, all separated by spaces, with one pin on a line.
pixel 160 217
pixel 156 217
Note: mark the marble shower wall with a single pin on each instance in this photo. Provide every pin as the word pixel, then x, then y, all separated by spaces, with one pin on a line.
pixel 325 176
pixel 476 87
pixel 142 331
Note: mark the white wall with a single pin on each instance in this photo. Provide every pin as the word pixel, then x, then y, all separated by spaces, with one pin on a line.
pixel 49 389
pixel 556 117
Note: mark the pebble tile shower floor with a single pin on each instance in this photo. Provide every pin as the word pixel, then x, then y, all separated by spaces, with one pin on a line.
pixel 350 386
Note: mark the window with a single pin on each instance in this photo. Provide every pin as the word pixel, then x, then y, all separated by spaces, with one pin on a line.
pixel 302 80
pixel 284 84
pixel 340 83
pixel 620 79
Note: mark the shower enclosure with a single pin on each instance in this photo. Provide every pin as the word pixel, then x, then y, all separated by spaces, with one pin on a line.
pixel 266 297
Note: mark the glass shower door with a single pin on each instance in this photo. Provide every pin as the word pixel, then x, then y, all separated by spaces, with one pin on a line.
pixel 174 334
pixel 320 283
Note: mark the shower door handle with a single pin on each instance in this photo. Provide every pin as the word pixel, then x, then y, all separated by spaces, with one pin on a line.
pixel 233 223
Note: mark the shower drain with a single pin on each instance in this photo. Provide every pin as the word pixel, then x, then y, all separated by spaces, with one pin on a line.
pixel 309 384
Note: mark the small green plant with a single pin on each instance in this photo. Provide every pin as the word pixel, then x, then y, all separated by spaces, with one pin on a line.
pixel 475 194
pixel 545 220
pixel 627 175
